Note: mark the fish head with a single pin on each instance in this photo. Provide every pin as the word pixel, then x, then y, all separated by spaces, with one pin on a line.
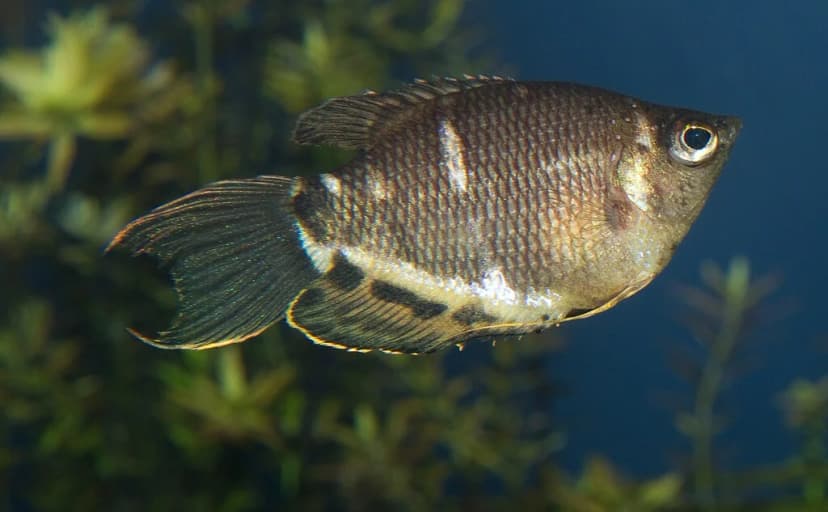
pixel 674 161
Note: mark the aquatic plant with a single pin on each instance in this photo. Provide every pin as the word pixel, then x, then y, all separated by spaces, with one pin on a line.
pixel 96 127
pixel 94 419
pixel 806 407
pixel 338 51
pixel 600 488
pixel 720 318
pixel 94 79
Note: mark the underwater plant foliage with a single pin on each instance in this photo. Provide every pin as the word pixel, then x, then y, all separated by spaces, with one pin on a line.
pixel 106 109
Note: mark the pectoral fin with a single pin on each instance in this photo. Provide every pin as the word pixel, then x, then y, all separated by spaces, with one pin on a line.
pixel 626 293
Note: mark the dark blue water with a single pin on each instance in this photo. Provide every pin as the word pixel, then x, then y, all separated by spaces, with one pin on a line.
pixel 764 61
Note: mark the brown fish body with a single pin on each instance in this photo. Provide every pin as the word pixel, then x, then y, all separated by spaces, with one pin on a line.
pixel 475 207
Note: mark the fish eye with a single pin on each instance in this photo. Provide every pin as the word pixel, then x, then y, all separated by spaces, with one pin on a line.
pixel 696 138
pixel 693 143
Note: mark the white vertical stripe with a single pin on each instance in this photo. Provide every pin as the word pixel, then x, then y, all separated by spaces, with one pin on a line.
pixel 331 183
pixel 451 147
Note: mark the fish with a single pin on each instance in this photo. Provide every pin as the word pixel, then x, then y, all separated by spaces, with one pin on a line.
pixel 473 208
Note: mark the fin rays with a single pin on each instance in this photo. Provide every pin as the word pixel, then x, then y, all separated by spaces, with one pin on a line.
pixel 378 315
pixel 357 122
pixel 234 255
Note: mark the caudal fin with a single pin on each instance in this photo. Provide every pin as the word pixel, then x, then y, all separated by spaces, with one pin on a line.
pixel 235 257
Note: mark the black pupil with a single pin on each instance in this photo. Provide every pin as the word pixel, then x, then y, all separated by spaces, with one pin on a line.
pixel 697 138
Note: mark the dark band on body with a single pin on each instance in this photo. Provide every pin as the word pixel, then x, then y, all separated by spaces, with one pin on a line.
pixel 422 308
pixel 471 315
pixel 344 274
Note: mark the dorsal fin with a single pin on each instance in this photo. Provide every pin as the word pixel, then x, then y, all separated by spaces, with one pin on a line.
pixel 357 122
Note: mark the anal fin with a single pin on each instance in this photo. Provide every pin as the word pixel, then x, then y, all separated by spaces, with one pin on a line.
pixel 625 293
pixel 350 309
pixel 359 320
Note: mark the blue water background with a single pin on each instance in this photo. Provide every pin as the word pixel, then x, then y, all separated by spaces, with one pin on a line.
pixel 766 62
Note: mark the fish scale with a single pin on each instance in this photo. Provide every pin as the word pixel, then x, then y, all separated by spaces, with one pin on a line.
pixel 474 207
pixel 512 218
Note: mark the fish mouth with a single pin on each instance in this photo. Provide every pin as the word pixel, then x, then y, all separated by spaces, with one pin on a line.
pixel 728 128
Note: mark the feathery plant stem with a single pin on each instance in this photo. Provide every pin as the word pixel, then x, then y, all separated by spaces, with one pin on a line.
pixel 231 372
pixel 735 304
pixel 232 378
pixel 202 19
pixel 60 158
pixel 813 485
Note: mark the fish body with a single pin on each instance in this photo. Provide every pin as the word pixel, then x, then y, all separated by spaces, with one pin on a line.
pixel 473 207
